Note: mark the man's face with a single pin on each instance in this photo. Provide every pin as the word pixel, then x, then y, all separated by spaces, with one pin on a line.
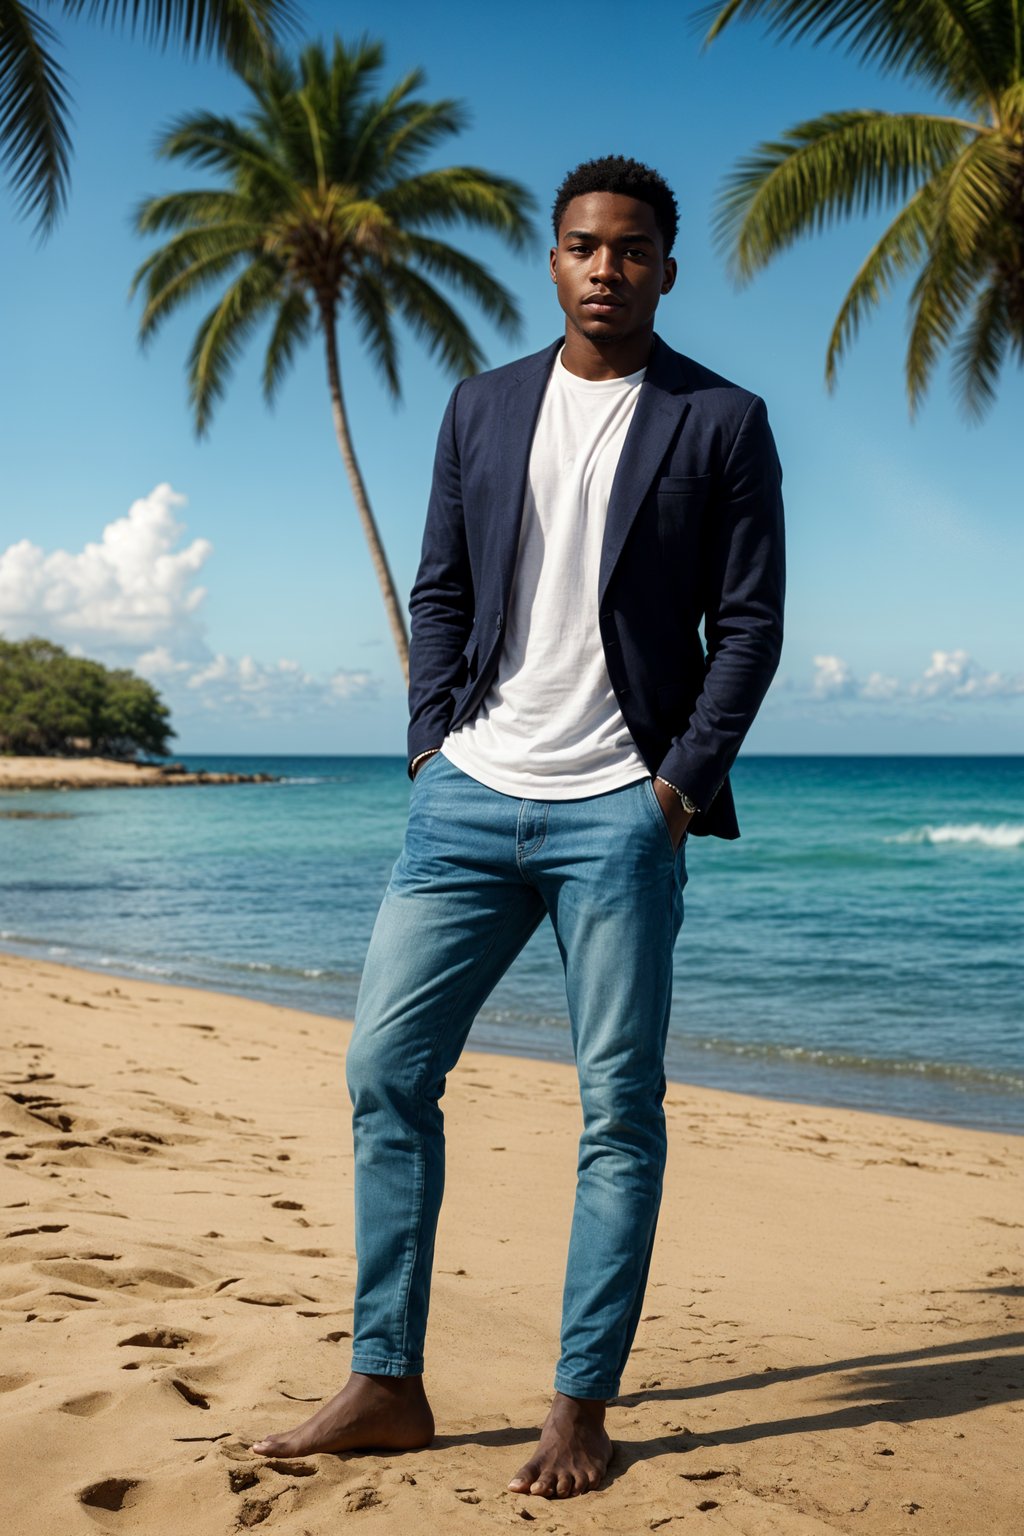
pixel 610 265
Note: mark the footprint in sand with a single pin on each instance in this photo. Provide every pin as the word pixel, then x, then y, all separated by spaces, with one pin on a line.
pixel 254 1512
pixel 360 1498
pixel 191 1394
pixel 112 1493
pixel 59 1119
pixel 157 1338
pixel 242 1478
pixel 88 1404
pixel 79 1273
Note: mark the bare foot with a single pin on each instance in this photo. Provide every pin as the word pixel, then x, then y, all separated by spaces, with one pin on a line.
pixel 369 1413
pixel 573 1452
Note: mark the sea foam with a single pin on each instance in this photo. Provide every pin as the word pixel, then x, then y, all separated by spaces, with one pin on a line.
pixel 1004 834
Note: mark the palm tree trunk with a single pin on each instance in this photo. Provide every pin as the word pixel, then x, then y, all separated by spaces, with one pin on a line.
pixel 396 618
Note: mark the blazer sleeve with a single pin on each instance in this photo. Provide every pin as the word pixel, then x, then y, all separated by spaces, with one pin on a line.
pixel 744 581
pixel 441 603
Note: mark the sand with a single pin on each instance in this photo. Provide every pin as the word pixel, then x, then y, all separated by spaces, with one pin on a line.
pixel 107 773
pixel 832 1338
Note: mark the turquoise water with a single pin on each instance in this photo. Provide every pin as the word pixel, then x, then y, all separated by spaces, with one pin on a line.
pixel 861 944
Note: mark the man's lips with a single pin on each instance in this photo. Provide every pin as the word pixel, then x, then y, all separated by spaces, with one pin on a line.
pixel 603 301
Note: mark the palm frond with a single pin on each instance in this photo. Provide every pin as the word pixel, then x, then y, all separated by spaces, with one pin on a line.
pixel 291 331
pixel 243 32
pixel 404 137
pixel 367 126
pixel 287 110
pixel 214 143
pixel 1010 106
pixel 222 337
pixel 978 191
pixel 463 194
pixel 463 272
pixel 823 170
pixel 955 45
pixel 972 199
pixel 186 210
pixel 430 316
pixel 35 142
pixel 940 295
pixel 184 267
pixel 373 313
pixel 352 75
pixel 900 249
pixel 979 352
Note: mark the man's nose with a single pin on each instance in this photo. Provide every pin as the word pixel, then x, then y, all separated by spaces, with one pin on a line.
pixel 606 267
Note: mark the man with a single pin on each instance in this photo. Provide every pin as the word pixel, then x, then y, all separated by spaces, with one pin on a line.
pixel 590 505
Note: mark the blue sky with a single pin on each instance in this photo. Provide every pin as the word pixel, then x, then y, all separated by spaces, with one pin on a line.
pixel 234 571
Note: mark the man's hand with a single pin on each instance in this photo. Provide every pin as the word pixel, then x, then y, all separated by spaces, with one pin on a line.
pixel 672 809
pixel 425 758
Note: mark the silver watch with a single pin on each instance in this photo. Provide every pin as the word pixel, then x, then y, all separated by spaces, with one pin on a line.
pixel 688 805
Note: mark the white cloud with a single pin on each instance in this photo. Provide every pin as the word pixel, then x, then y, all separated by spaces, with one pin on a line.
pixel 276 690
pixel 954 674
pixel 880 686
pixel 949 675
pixel 132 588
pixel 832 678
pixel 132 598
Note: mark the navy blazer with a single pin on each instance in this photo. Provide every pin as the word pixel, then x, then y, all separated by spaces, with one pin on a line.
pixel 694 531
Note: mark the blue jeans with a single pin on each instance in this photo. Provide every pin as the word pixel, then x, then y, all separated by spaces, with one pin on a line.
pixel 477 873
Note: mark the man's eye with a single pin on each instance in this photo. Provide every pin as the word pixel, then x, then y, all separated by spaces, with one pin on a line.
pixel 640 254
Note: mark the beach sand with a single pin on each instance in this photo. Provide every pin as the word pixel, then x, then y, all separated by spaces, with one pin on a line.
pixel 833 1336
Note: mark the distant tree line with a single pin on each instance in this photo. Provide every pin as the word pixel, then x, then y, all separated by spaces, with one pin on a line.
pixel 53 704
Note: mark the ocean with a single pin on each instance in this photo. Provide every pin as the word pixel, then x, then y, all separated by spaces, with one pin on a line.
pixel 861 944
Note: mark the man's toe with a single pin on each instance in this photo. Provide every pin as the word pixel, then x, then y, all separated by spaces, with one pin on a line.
pixel 524 1478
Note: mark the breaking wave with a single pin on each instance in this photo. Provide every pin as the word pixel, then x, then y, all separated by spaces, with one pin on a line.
pixel 1004 834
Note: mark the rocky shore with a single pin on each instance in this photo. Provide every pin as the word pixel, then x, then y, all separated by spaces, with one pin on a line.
pixel 108 773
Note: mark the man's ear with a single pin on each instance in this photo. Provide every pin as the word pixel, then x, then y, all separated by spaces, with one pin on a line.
pixel 668 282
pixel 554 263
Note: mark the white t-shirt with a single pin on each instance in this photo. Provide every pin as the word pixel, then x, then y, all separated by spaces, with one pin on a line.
pixel 549 726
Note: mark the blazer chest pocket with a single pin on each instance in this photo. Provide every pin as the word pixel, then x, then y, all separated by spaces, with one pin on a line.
pixel 679 507
pixel 683 485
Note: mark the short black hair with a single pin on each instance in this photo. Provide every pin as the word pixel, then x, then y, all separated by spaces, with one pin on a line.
pixel 616 173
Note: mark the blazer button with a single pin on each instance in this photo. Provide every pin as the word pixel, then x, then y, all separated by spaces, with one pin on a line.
pixel 498 622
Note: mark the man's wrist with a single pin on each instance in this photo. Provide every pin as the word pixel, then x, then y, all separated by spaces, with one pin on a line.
pixel 684 799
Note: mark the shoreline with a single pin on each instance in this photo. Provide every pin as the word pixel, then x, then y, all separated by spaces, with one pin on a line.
pixel 520 1049
pixel 30 773
pixel 831 1338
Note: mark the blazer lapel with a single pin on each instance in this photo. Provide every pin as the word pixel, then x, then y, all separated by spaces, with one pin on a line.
pixel 519 407
pixel 659 410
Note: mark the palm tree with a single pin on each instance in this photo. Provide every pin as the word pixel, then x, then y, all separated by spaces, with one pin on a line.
pixel 35 139
pixel 959 177
pixel 323 206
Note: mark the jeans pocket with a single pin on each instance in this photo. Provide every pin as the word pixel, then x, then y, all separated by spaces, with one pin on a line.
pixel 654 805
